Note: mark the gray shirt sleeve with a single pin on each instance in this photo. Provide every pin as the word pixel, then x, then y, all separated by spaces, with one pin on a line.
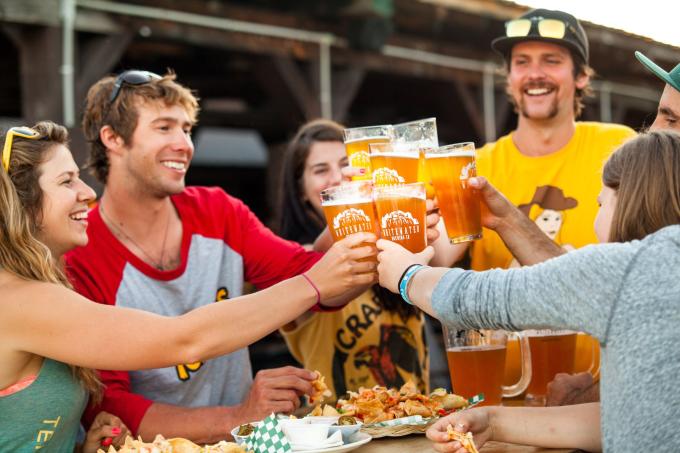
pixel 575 291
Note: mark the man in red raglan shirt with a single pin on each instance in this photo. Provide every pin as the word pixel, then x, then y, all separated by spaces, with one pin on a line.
pixel 159 246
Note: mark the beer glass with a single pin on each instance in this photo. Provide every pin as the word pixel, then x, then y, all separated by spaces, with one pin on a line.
pixel 401 214
pixel 552 352
pixel 417 136
pixel 391 166
pixel 349 209
pixel 356 146
pixel 450 168
pixel 477 364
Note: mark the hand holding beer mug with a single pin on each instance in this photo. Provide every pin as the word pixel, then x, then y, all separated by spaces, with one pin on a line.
pixel 450 168
pixel 401 215
pixel 356 146
pixel 349 209
pixel 477 364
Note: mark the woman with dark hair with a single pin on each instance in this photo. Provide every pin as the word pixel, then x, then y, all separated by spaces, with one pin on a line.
pixel 625 293
pixel 374 340
pixel 51 338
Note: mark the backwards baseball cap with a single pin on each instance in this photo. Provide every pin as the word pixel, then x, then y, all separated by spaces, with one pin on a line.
pixel 546 25
pixel 672 78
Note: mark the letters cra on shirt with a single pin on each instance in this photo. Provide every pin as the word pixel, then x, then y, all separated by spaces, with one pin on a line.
pixel 184 371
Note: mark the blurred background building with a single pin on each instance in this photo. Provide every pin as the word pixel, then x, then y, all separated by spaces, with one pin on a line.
pixel 263 67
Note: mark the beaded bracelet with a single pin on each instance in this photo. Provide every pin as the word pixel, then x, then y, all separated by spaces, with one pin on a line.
pixel 406 279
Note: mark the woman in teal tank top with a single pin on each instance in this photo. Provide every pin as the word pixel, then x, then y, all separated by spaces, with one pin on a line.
pixel 50 331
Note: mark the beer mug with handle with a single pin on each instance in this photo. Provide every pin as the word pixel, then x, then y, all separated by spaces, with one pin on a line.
pixel 477 364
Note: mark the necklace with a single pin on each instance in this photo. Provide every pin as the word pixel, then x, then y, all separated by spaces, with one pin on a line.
pixel 118 229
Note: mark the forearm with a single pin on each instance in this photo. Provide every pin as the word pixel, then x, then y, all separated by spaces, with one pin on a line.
pixel 323 242
pixel 201 425
pixel 345 298
pixel 525 240
pixel 552 427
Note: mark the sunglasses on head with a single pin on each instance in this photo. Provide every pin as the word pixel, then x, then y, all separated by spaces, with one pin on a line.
pixel 546 28
pixel 132 77
pixel 23 132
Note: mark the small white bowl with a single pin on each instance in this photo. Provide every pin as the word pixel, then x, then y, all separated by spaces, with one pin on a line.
pixel 346 430
pixel 330 419
pixel 306 433
pixel 241 439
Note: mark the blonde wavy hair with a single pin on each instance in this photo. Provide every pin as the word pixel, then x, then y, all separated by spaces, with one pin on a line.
pixel 21 253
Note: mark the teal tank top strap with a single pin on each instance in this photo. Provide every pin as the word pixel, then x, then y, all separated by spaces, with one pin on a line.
pixel 45 415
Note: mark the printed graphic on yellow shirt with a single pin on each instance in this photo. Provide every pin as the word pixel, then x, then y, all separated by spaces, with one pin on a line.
pixel 548 209
pixel 184 371
pixel 389 361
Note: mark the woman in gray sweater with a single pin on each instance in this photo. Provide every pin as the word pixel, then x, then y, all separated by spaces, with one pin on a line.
pixel 626 294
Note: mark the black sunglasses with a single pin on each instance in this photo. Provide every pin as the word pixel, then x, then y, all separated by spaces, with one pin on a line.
pixel 132 77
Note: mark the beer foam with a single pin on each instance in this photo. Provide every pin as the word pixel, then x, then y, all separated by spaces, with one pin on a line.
pixel 363 139
pixel 401 154
pixel 462 153
pixel 347 202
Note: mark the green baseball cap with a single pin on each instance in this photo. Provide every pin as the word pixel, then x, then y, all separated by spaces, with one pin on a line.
pixel 672 78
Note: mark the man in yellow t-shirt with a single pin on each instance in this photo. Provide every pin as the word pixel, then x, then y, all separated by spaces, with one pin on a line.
pixel 550 165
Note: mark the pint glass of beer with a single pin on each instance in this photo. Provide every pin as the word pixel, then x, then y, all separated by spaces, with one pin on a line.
pixel 356 146
pixel 349 209
pixel 477 364
pixel 393 165
pixel 450 168
pixel 552 352
pixel 417 136
pixel 401 214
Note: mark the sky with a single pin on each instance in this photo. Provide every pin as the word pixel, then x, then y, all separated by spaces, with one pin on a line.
pixel 656 19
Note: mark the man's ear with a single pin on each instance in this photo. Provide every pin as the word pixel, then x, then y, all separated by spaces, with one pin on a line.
pixel 582 80
pixel 111 140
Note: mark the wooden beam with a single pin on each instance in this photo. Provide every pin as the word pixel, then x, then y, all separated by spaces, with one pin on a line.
pixel 470 103
pixel 304 94
pixel 39 71
pixel 346 84
pixel 97 58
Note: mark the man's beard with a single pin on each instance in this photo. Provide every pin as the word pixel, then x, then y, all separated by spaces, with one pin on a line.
pixel 552 113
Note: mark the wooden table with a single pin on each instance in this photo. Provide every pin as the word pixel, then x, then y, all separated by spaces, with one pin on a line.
pixel 419 443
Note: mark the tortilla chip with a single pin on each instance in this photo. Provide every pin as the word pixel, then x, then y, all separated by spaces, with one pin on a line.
pixel 320 389
pixel 465 439
pixel 414 407
pixel 329 411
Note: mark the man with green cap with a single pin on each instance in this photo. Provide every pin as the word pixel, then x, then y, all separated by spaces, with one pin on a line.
pixel 668 113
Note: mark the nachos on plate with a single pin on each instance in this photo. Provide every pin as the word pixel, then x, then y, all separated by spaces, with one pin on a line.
pixel 380 404
pixel 176 445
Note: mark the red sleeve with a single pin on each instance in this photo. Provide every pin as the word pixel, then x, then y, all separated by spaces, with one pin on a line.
pixel 119 400
pixel 267 258
pixel 98 282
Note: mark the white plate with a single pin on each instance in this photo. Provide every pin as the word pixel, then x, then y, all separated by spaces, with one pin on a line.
pixel 357 440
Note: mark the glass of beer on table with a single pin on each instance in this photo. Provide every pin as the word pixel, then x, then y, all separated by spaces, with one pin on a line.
pixel 552 352
pixel 349 209
pixel 450 168
pixel 401 214
pixel 477 364
pixel 357 140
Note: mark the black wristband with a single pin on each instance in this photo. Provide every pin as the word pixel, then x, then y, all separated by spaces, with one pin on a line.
pixel 404 275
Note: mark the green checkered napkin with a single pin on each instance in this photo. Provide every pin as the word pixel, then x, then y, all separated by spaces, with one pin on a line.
pixel 419 420
pixel 268 438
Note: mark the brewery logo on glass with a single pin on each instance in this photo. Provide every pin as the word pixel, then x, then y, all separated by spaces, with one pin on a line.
pixel 360 159
pixel 399 225
pixel 350 221
pixel 386 176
